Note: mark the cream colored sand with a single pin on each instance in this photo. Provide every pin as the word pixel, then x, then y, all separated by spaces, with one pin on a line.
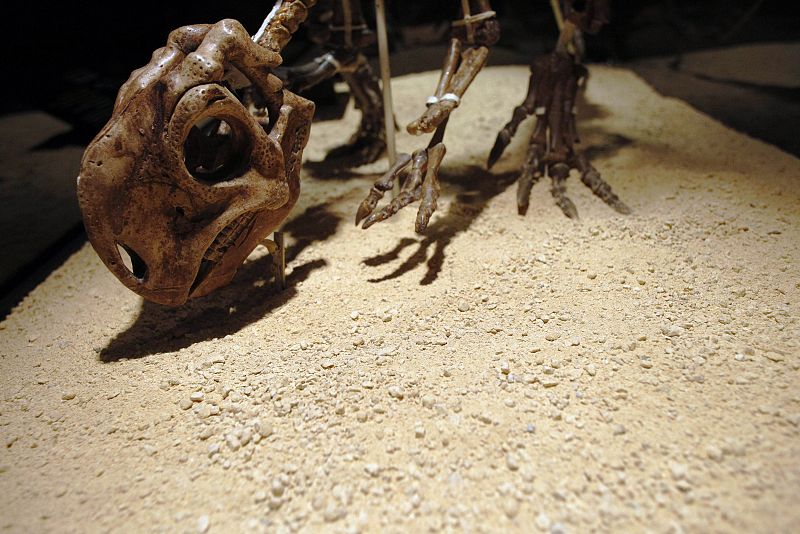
pixel 617 373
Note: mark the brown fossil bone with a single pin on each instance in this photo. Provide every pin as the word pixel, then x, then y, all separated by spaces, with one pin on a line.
pixel 419 172
pixel 200 160
pixel 340 28
pixel 554 83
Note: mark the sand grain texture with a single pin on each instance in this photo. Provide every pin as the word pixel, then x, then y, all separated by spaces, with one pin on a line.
pixel 531 374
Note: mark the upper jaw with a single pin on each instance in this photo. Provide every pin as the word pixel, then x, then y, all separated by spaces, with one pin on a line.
pixel 227 241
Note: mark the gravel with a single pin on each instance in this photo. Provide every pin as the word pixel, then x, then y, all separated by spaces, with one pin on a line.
pixel 498 373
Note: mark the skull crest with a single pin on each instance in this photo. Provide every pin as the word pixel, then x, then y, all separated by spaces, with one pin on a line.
pixel 192 173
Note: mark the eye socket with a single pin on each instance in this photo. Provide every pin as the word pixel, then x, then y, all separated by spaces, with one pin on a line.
pixel 132 261
pixel 215 151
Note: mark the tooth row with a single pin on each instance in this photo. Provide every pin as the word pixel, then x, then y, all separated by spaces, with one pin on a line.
pixel 227 237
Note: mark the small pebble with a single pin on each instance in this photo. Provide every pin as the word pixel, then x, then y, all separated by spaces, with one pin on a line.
pixel 372 469
pixel 233 442
pixel 278 487
pixel 510 507
pixel 263 429
pixel 512 462
pixel 203 523
pixel 714 452
pixel 333 514
pixel 671 330
pixel 678 470
pixel 542 521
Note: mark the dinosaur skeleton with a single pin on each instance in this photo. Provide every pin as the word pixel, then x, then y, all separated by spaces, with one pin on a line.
pixel 201 158
pixel 555 79
pixel 193 171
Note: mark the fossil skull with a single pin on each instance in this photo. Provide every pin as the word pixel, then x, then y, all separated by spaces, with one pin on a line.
pixel 185 181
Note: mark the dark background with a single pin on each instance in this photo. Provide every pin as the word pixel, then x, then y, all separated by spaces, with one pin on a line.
pixel 69 59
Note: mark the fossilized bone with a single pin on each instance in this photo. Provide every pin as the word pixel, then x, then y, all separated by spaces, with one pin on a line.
pixel 419 172
pixel 340 28
pixel 200 160
pixel 555 79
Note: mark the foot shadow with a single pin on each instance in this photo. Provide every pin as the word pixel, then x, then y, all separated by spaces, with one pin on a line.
pixel 477 187
pixel 250 297
pixel 588 111
pixel 611 144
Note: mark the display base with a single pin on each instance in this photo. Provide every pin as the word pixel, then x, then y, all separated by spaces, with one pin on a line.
pixel 616 373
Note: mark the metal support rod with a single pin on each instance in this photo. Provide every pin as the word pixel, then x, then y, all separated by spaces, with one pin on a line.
pixel 573 41
pixel 467 22
pixel 557 13
pixel 279 260
pixel 386 80
pixel 348 23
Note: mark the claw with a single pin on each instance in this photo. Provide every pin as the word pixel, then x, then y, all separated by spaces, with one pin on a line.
pixel 568 207
pixel 621 207
pixel 500 144
pixel 600 187
pixel 504 136
pixel 402 200
pixel 385 183
pixel 367 205
pixel 430 188
pixel 524 186
pixel 559 173
pixel 531 173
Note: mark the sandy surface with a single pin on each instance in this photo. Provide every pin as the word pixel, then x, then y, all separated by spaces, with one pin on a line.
pixel 765 64
pixel 617 373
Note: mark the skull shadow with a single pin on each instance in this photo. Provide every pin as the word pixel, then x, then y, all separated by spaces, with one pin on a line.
pixel 250 297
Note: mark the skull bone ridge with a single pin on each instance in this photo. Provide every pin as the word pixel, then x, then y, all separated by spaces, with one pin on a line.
pixel 177 190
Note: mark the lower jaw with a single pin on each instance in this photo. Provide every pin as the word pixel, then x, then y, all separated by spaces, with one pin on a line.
pixel 228 237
